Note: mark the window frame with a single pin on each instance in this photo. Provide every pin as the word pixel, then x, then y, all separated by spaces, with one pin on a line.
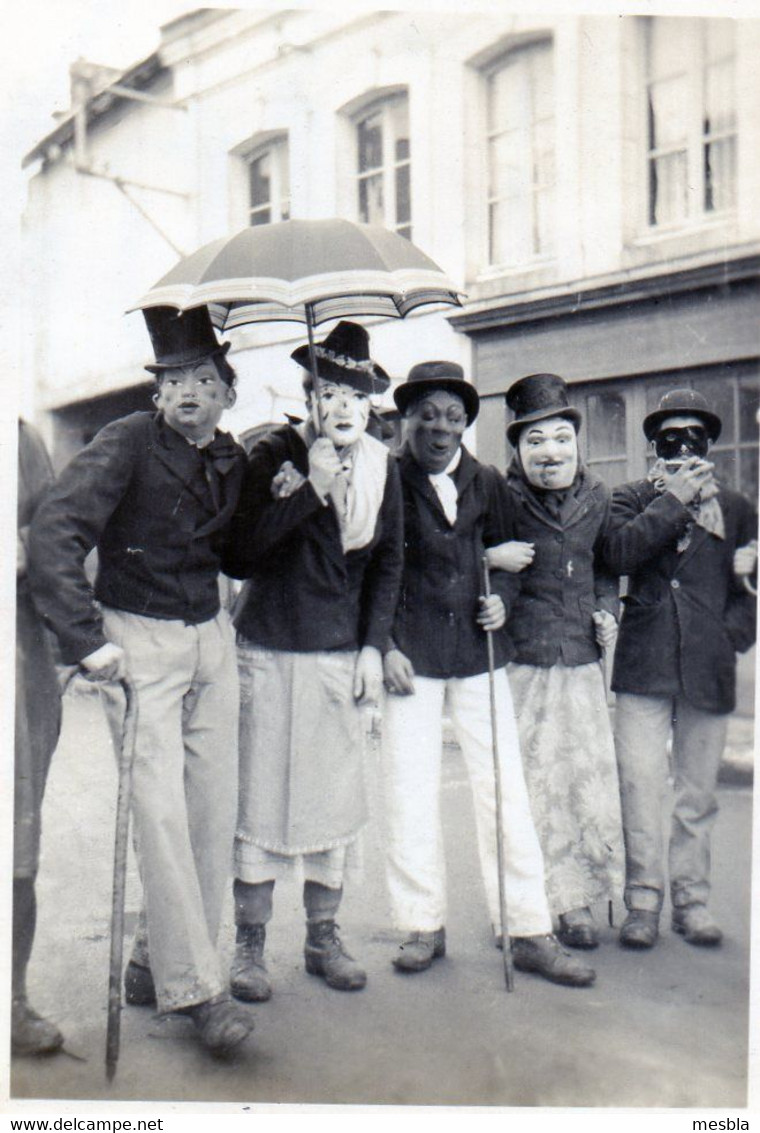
pixel 384 105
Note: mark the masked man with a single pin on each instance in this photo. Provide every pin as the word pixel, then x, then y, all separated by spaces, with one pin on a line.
pixel 686 615
pixel 155 493
pixel 318 535
pixel 438 658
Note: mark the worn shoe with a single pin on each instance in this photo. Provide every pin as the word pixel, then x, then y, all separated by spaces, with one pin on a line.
pixel 545 956
pixel 248 974
pixel 577 929
pixel 30 1033
pixel 640 929
pixel 325 956
pixel 418 952
pixel 696 925
pixel 139 989
pixel 220 1023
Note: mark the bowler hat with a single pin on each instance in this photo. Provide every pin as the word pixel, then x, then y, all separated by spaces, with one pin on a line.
pixel 535 398
pixel 344 357
pixel 682 401
pixel 428 376
pixel 181 338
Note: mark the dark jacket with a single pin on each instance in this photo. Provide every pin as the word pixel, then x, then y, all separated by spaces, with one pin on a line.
pixel 156 508
pixel 304 593
pixel 551 620
pixel 685 614
pixel 435 622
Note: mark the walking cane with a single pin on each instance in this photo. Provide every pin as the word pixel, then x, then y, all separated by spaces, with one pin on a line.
pixel 121 845
pixel 509 975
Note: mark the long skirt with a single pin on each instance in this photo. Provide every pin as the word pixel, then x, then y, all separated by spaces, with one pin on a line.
pixel 569 759
pixel 302 774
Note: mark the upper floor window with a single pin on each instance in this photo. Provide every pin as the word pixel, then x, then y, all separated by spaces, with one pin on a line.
pixel 269 183
pixel 691 118
pixel 521 155
pixel 383 167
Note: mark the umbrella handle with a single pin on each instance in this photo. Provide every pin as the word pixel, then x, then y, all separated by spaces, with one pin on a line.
pixel 313 363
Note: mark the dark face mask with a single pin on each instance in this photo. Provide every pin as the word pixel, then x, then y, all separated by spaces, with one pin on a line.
pixel 679 444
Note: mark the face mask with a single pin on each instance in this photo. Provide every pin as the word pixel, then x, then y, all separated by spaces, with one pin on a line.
pixel 679 444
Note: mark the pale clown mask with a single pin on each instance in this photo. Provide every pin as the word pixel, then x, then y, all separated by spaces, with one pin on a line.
pixel 549 453
pixel 345 412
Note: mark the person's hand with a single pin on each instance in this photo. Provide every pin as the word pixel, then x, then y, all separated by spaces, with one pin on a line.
pixel 745 559
pixel 605 628
pixel 513 556
pixel 399 673
pixel 324 466
pixel 492 614
pixel 287 481
pixel 368 676
pixel 689 480
pixel 106 664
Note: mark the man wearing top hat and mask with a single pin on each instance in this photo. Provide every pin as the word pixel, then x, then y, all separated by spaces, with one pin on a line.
pixel 438 657
pixel 154 493
pixel 318 536
pixel 675 534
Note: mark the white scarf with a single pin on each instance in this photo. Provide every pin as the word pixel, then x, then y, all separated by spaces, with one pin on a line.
pixel 445 487
pixel 366 471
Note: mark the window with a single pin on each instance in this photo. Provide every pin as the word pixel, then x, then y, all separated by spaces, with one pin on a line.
pixel 691 118
pixel 521 155
pixel 603 436
pixel 269 183
pixel 383 166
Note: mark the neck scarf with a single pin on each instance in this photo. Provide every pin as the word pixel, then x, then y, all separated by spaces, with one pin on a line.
pixel 445 487
pixel 705 509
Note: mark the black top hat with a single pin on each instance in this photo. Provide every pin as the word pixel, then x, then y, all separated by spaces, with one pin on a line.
pixel 682 401
pixel 181 338
pixel 427 376
pixel 535 398
pixel 344 357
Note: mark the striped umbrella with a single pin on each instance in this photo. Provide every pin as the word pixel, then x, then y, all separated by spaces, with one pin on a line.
pixel 304 271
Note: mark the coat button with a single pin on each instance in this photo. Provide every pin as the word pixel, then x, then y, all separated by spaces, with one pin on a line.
pixel 558 613
pixel 560 538
pixel 559 574
pixel 675 584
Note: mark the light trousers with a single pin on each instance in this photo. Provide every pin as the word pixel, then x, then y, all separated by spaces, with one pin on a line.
pixel 643 725
pixel 412 754
pixel 184 791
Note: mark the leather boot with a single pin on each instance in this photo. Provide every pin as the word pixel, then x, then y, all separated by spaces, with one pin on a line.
pixel 417 953
pixel 696 925
pixel 248 974
pixel 220 1023
pixel 139 989
pixel 545 956
pixel 640 929
pixel 325 956
pixel 30 1033
pixel 577 929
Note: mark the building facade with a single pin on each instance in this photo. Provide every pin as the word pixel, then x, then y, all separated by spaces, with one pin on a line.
pixel 590 181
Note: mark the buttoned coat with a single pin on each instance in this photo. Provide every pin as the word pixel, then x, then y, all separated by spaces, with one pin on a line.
pixel 305 594
pixel 552 617
pixel 686 614
pixel 435 624
pixel 156 508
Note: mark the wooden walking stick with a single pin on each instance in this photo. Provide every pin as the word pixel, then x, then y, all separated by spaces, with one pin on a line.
pixel 509 975
pixel 121 845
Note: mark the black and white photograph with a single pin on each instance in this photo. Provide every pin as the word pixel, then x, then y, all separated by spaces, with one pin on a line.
pixel 382 425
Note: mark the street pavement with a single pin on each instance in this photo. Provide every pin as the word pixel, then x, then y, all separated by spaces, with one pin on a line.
pixel 662 1029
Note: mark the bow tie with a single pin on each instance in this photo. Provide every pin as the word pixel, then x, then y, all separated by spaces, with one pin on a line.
pixel 222 452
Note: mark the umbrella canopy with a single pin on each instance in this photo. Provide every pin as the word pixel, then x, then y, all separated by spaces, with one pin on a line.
pixel 306 271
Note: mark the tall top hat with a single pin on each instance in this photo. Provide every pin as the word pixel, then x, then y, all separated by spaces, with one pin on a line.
pixel 181 338
pixel 535 398
pixel 686 402
pixel 428 376
pixel 344 357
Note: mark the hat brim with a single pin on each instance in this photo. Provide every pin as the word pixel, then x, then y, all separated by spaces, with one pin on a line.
pixel 514 428
pixel 405 395
pixel 652 421
pixel 376 382
pixel 159 367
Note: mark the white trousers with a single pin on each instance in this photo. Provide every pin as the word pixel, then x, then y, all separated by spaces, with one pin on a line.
pixel 412 751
